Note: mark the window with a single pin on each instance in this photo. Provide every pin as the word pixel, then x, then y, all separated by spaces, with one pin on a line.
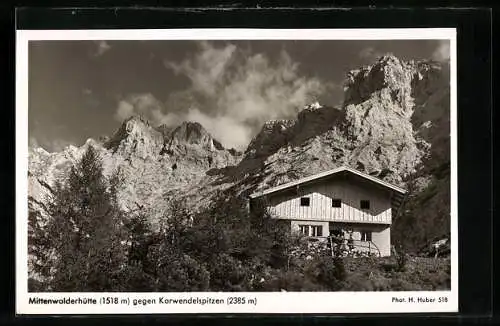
pixel 336 202
pixel 365 204
pixel 311 230
pixel 366 236
pixel 305 201
pixel 316 230
pixel 304 229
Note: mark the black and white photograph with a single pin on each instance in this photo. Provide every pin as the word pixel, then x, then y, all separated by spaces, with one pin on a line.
pixel 234 165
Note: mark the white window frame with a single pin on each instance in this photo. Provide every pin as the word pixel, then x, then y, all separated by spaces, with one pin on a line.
pixel 311 230
pixel 365 235
pixel 304 229
pixel 314 230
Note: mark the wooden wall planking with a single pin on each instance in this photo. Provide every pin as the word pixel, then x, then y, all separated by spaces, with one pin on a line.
pixel 287 204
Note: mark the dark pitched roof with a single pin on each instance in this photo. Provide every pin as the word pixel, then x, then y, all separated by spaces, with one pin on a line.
pixel 325 174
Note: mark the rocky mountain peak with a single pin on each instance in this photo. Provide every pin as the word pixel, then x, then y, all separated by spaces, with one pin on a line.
pixel 389 58
pixel 313 106
pixel 165 129
pixel 193 134
pixel 388 77
pixel 136 137
pixel 103 139
pixel 280 124
pixel 379 105
pixel 311 121
pixel 374 131
pixel 273 135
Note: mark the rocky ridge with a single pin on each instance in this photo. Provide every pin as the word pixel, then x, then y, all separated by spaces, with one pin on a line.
pixel 152 162
pixel 381 129
pixel 393 124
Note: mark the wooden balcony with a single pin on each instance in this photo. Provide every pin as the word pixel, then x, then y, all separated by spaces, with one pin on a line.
pixel 348 246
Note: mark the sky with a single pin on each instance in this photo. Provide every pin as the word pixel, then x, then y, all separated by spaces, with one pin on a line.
pixel 86 89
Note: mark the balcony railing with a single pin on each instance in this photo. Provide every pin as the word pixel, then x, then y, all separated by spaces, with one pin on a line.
pixel 349 245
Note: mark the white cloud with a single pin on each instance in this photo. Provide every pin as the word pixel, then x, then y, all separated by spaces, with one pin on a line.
pixel 102 47
pixel 138 104
pixel 231 93
pixel 206 69
pixel 124 111
pixel 230 132
pixel 442 51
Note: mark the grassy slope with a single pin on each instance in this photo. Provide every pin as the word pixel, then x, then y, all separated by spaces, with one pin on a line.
pixel 379 274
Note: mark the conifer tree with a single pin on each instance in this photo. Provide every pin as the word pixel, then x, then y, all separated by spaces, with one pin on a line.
pixel 38 252
pixel 86 230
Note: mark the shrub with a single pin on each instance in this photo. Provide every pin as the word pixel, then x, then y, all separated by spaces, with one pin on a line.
pixel 401 259
pixel 358 282
pixel 228 274
pixel 380 283
pixel 139 238
pixel 398 283
pixel 182 274
pixel 135 279
pixel 35 285
pixel 204 241
pixel 433 276
pixel 290 281
pixel 388 267
pixel 327 271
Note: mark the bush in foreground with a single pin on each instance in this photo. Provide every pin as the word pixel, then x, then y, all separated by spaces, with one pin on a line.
pixel 382 274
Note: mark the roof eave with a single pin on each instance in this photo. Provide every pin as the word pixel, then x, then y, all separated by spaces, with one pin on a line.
pixel 325 174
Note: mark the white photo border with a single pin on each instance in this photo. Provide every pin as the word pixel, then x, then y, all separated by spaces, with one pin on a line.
pixel 202 303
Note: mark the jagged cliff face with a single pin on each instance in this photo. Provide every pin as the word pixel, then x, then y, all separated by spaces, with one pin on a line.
pixel 383 128
pixel 393 124
pixel 154 163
